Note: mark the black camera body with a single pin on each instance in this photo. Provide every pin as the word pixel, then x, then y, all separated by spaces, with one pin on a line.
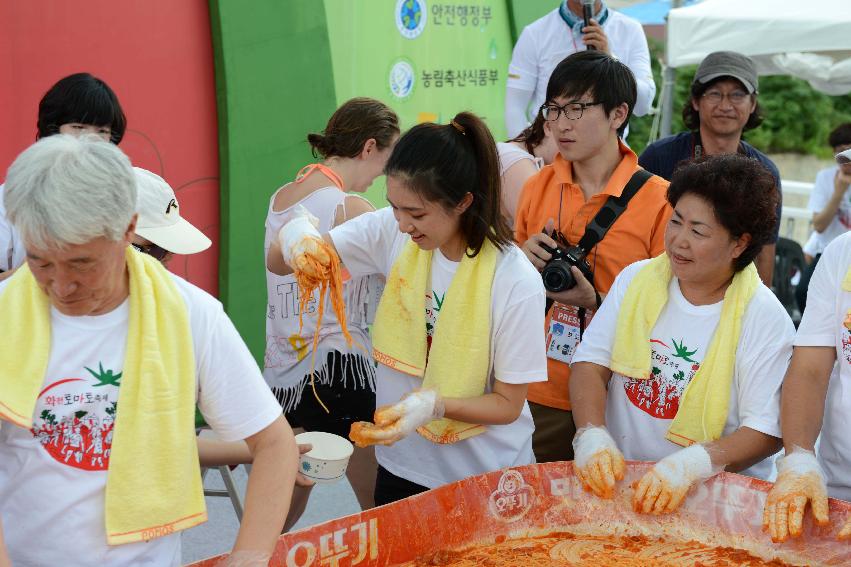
pixel 556 273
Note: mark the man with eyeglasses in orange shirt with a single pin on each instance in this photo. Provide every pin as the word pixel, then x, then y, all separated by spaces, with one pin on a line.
pixel 589 100
pixel 722 106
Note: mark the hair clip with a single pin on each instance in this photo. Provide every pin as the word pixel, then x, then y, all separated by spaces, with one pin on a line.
pixel 458 127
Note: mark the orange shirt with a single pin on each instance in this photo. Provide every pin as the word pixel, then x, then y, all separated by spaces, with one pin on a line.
pixel 636 235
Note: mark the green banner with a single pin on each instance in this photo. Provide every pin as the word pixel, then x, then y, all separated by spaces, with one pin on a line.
pixel 427 59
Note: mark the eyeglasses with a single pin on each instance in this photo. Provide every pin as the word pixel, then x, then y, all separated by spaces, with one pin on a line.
pixel 736 97
pixel 152 250
pixel 572 110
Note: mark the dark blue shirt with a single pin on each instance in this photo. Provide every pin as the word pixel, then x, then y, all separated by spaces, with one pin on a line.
pixel 663 156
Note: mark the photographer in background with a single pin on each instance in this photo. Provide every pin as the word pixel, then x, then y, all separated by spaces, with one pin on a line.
pixel 723 104
pixel 830 203
pixel 590 96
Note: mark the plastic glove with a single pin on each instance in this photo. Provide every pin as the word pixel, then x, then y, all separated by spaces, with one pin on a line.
pixel 300 239
pixel 246 559
pixel 799 480
pixel 399 420
pixel 664 487
pixel 598 462
pixel 845 532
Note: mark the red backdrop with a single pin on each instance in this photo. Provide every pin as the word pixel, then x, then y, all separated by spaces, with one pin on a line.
pixel 157 57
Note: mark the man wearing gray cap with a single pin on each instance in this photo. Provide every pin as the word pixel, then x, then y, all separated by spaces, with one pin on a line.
pixel 723 104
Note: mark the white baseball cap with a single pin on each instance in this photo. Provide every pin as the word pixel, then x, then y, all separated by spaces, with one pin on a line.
pixel 159 217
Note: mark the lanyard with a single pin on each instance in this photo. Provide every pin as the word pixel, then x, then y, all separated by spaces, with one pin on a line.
pixel 305 172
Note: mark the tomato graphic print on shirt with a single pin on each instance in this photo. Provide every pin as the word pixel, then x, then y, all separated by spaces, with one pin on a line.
pixel 434 302
pixel 672 369
pixel 75 418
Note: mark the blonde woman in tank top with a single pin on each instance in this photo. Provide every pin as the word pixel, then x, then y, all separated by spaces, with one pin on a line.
pixel 353 149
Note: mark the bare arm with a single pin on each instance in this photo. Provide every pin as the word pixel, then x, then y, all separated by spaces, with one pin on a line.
pixel 214 453
pixel 270 487
pixel 765 263
pixel 588 390
pixel 803 395
pixel 3 276
pixel 512 185
pixel 500 407
pixel 742 449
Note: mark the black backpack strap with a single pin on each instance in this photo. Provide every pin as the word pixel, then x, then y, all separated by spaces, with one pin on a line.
pixel 611 210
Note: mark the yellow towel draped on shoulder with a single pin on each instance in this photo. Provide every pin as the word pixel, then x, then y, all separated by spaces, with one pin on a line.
pixel 705 403
pixel 458 363
pixel 153 485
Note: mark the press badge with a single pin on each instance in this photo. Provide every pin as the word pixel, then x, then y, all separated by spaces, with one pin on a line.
pixel 563 334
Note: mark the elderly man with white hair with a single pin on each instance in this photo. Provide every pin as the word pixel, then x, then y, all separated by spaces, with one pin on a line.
pixel 105 354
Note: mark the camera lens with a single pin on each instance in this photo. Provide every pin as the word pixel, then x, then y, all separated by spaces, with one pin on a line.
pixel 557 276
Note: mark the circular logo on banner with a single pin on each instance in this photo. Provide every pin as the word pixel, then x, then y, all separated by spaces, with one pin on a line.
pixel 401 79
pixel 411 17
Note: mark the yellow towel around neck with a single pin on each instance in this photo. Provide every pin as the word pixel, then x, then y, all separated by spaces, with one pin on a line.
pixel 153 485
pixel 458 363
pixel 705 403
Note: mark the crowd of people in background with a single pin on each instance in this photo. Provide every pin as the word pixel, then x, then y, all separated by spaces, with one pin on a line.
pixel 553 297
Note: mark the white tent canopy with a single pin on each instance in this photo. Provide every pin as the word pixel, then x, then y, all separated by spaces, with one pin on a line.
pixel 810 40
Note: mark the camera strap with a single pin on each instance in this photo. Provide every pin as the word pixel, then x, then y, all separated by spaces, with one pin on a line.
pixel 612 209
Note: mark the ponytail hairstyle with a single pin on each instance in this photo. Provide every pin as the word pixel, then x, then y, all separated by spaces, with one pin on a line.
pixel 533 135
pixel 444 162
pixel 351 125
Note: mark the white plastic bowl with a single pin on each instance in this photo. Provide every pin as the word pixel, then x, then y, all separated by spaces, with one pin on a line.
pixel 328 459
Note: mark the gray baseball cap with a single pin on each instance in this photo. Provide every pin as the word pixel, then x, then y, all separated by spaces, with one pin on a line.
pixel 728 64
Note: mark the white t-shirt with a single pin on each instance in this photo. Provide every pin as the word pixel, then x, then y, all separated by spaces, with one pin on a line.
pixel 369 244
pixel 12 252
pixel 828 305
pixel 509 154
pixel 639 412
pixel 546 41
pixel 52 478
pixel 811 246
pixel 822 192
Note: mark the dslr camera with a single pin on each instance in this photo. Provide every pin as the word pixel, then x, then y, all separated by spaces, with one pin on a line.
pixel 556 273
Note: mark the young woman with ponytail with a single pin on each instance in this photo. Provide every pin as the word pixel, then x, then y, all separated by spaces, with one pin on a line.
pixel 338 376
pixel 459 330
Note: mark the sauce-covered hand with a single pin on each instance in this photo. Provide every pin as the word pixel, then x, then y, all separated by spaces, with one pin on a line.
pixel 664 487
pixel 598 462
pixel 303 247
pixel 800 480
pixel 845 532
pixel 399 420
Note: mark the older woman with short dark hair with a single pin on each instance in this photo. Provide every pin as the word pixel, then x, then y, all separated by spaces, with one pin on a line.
pixel 683 363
